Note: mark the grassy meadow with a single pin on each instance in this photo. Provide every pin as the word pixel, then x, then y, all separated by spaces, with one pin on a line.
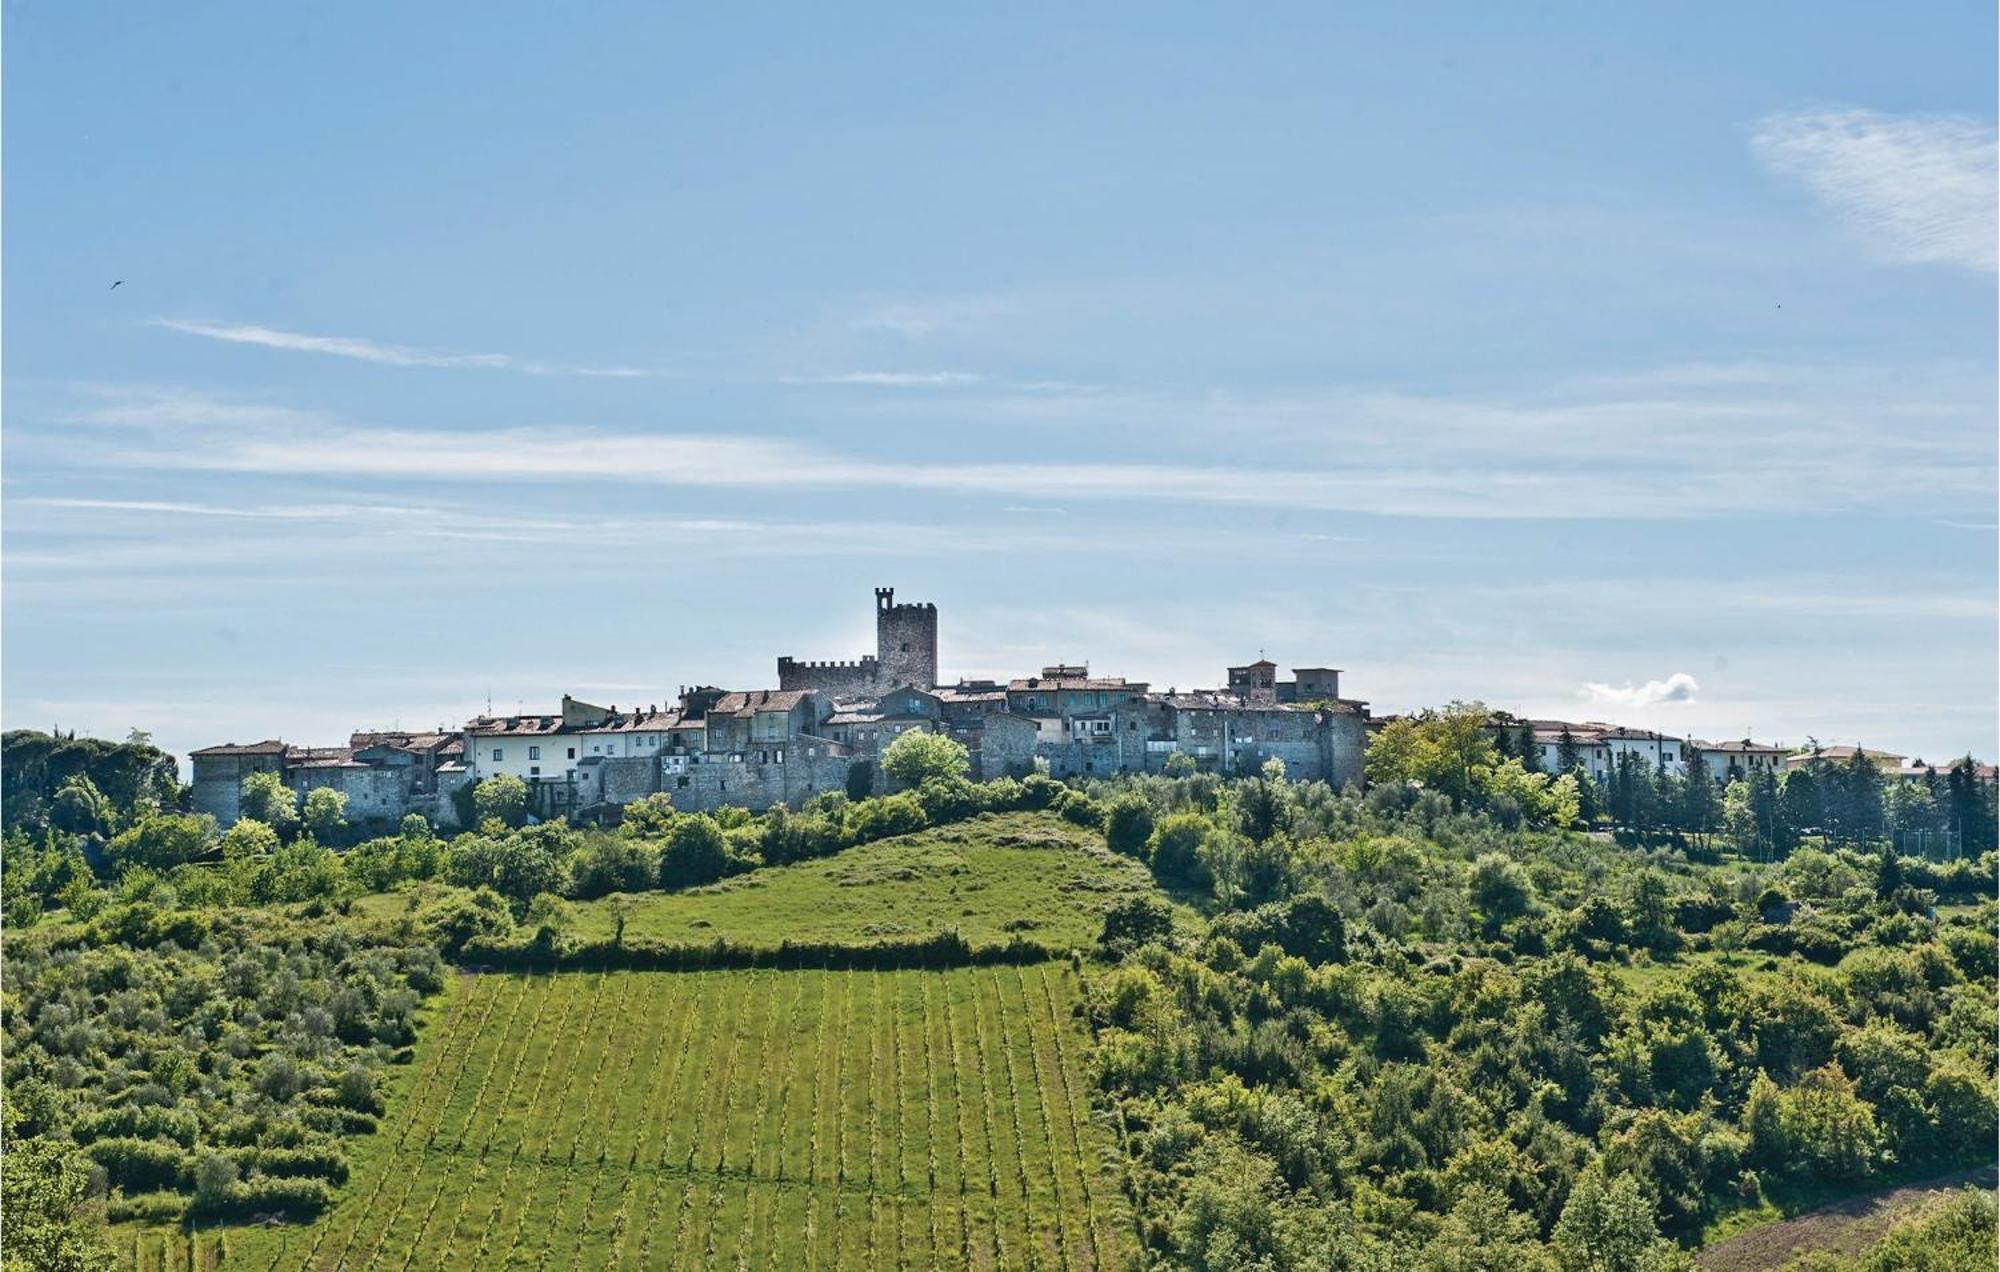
pixel 992 877
pixel 729 1119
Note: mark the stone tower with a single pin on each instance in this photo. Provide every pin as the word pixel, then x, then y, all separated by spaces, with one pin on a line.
pixel 905 641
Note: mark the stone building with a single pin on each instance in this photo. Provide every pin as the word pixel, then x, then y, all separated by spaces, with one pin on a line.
pixel 754 748
pixel 385 775
pixel 906 653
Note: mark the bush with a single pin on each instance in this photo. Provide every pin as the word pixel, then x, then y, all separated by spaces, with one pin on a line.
pixel 881 818
pixel 139 1165
pixel 696 852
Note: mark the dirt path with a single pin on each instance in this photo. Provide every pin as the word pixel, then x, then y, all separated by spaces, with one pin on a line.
pixel 1844 1229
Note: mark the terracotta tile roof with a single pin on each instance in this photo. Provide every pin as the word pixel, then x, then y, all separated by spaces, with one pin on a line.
pixel 637 722
pixel 270 746
pixel 755 700
pixel 1743 747
pixel 1033 683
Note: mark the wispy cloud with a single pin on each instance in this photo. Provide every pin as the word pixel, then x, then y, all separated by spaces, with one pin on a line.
pixel 365 350
pixel 1917 188
pixel 1560 456
pixel 893 379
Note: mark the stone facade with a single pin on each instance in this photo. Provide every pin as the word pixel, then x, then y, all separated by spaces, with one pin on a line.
pixel 762 747
pixel 384 775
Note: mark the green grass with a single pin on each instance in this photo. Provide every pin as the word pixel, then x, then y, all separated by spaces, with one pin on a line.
pixel 991 878
pixel 732 1119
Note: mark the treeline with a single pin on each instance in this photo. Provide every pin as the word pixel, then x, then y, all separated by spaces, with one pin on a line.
pixel 1458 752
pixel 1410 1036
pixel 82 785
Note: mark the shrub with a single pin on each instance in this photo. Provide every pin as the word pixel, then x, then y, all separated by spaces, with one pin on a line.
pixel 695 853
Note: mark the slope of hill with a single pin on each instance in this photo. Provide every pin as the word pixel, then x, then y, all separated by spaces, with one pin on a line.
pixel 745 1118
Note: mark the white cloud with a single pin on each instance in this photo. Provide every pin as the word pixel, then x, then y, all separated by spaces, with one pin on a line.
pixel 1916 188
pixel 1679 687
pixel 365 350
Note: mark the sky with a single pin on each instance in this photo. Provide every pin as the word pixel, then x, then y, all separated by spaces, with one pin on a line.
pixel 1600 362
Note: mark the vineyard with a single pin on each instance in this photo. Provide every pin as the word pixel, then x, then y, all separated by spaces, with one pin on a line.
pixel 728 1119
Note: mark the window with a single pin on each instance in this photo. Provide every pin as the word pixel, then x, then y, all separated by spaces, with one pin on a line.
pixel 498 753
pixel 781 757
pixel 572 753
pixel 534 753
pixel 534 770
pixel 680 783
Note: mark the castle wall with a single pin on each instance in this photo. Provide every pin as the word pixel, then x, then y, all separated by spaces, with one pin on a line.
pixel 856 679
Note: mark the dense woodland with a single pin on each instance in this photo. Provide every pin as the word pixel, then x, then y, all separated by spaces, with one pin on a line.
pixel 1431 1023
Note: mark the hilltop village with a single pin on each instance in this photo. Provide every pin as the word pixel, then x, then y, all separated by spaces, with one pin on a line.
pixel 759 747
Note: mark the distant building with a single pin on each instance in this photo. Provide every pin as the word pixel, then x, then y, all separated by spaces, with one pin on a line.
pixel 1889 762
pixel 385 774
pixel 756 748
pixel 1742 759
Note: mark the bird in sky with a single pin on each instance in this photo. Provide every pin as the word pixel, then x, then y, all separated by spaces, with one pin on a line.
pixel 120 283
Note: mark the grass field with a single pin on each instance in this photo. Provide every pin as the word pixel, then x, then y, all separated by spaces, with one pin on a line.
pixel 993 877
pixel 732 1119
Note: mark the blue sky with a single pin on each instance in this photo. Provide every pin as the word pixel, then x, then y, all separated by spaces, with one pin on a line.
pixel 1597 362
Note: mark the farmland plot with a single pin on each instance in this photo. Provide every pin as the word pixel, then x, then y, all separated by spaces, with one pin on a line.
pixel 748 1119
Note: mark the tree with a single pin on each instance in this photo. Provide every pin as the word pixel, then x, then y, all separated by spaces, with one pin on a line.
pixel 1969 807
pixel 1608 1227
pixel 325 813
pixel 248 839
pixel 1137 920
pixel 1739 822
pixel 696 852
pixel 267 799
pixel 1833 1127
pixel 163 841
pixel 1449 750
pixel 214 1180
pixel 1499 887
pixel 1799 801
pixel 517 866
pixel 1128 825
pixel 80 808
pixel 612 863
pixel 1569 756
pixel 47 1217
pixel 1853 798
pixel 1179 764
pixel 1527 750
pixel 920 755
pixel 860 780
pixel 1175 848
pixel 650 817
pixel 1699 806
pixel 503 797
